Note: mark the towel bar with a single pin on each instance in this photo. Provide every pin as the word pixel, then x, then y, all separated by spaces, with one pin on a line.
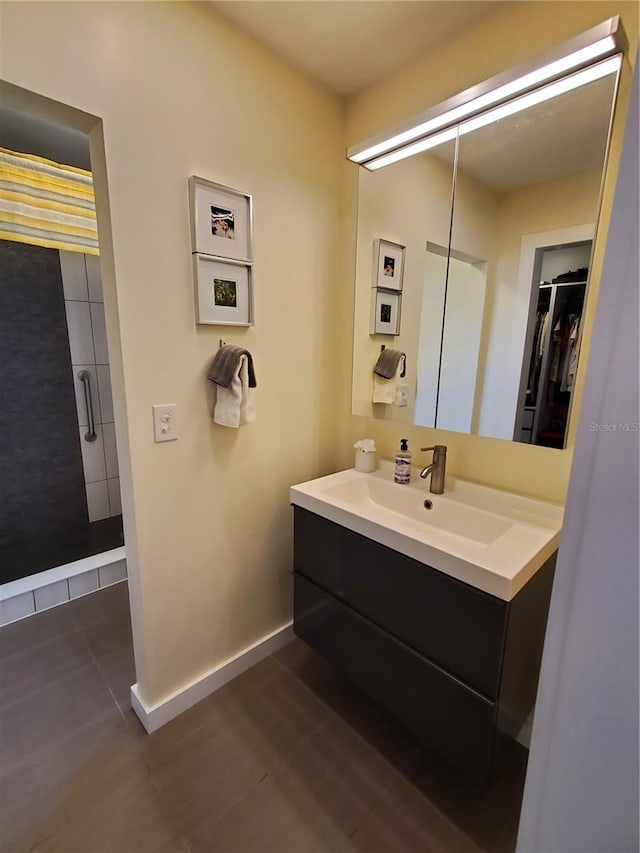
pixel 85 377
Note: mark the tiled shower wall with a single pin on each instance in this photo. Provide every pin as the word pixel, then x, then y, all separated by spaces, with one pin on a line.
pixel 41 489
pixel 88 344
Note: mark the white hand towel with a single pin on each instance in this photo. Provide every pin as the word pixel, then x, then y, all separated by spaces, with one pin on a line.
pixel 233 404
pixel 386 390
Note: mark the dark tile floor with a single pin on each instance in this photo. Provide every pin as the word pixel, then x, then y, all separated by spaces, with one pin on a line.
pixel 286 758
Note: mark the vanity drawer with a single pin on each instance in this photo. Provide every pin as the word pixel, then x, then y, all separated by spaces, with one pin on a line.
pixel 318 549
pixel 460 628
pixel 449 717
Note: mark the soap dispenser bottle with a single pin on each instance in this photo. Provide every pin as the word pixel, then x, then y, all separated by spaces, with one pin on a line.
pixel 402 469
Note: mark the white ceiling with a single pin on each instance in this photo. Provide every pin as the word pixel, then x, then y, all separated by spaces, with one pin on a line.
pixel 350 45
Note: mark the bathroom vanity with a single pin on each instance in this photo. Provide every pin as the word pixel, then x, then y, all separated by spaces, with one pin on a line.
pixel 432 624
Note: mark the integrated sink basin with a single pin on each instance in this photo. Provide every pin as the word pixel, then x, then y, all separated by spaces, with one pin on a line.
pixel 490 539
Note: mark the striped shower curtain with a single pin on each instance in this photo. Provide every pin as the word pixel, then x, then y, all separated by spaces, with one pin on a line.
pixel 47 204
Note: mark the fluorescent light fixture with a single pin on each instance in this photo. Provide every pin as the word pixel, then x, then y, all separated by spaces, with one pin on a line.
pixel 496 91
pixel 416 148
pixel 538 96
pixel 544 93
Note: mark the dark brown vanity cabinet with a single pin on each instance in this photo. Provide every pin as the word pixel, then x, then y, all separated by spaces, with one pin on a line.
pixel 449 661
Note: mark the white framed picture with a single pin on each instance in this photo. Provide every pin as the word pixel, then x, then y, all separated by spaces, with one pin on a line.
pixel 224 291
pixel 221 220
pixel 388 264
pixel 385 312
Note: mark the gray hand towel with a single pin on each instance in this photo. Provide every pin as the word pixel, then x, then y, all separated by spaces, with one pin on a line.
pixel 387 363
pixel 225 366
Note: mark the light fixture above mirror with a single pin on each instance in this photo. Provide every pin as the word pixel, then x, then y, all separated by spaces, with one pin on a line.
pixel 439 124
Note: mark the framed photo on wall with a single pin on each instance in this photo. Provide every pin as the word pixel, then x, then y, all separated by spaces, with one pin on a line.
pixel 385 312
pixel 388 264
pixel 224 291
pixel 221 220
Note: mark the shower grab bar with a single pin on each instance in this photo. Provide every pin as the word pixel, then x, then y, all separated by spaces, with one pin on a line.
pixel 85 377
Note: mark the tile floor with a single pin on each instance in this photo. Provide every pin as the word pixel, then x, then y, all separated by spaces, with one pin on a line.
pixel 287 758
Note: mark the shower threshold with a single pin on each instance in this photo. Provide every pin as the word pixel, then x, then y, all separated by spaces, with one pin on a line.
pixel 65 566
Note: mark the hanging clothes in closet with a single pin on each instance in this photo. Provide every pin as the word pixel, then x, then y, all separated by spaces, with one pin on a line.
pixel 552 359
pixel 565 342
pixel 572 352
pixel 537 354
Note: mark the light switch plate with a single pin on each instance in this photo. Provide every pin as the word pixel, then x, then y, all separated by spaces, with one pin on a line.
pixel 402 397
pixel 165 421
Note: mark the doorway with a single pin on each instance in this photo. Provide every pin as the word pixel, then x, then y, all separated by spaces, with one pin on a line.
pixel 61 535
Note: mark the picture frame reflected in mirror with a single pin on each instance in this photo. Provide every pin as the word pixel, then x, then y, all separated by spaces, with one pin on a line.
pixel 388 264
pixel 385 312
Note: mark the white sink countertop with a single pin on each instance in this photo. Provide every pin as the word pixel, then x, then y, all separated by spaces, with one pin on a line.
pixel 490 539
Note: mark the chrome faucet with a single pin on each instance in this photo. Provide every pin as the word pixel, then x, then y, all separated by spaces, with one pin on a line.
pixel 436 469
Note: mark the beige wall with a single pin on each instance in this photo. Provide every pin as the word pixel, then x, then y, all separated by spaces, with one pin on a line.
pixel 516 34
pixel 181 92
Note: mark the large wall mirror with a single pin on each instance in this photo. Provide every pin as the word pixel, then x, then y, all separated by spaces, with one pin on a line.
pixel 498 226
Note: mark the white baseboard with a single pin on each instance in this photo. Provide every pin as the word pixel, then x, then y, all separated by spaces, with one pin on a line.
pixel 155 716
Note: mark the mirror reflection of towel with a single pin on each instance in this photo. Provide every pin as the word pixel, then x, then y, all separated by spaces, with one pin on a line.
pixel 387 363
pixel 386 390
